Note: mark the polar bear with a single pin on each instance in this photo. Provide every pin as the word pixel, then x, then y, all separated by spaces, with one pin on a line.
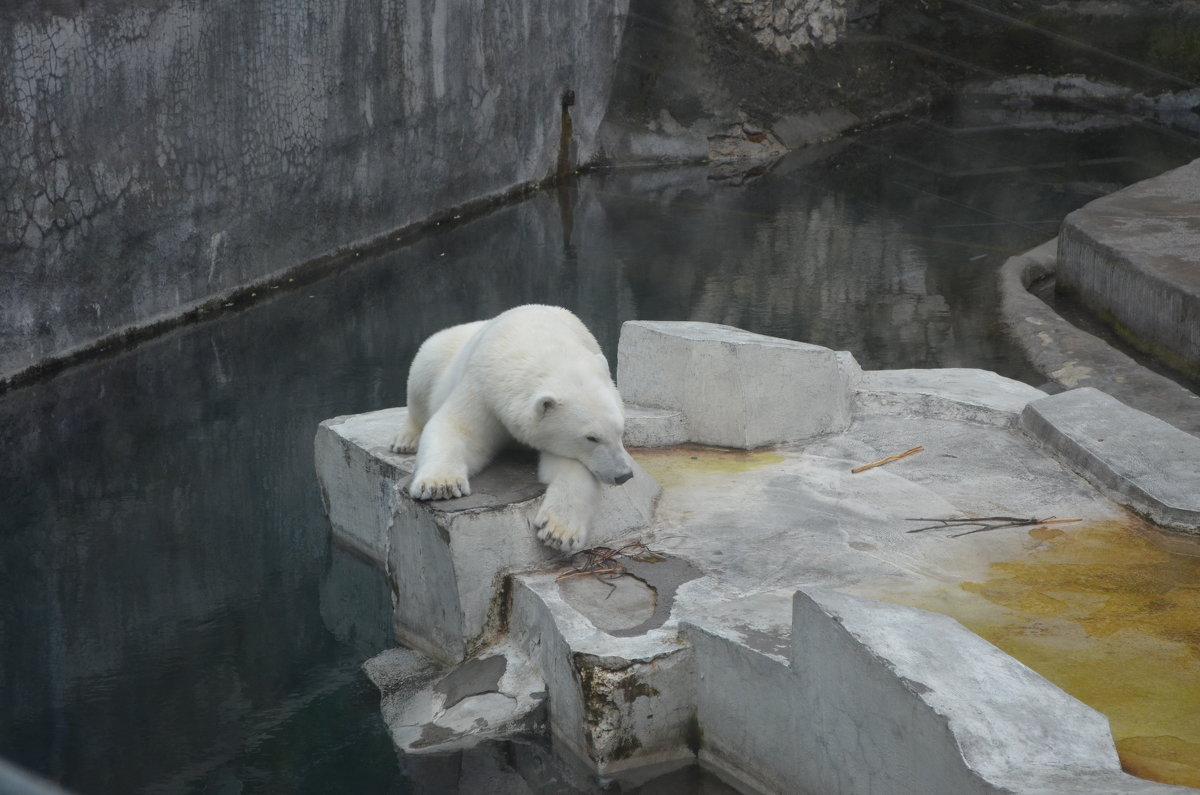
pixel 534 375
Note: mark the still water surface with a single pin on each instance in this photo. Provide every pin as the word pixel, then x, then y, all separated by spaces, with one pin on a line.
pixel 172 615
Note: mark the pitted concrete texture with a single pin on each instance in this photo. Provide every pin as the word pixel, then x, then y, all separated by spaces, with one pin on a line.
pixel 447 558
pixel 733 387
pixel 757 643
pixel 1136 459
pixel 144 147
pixel 1073 358
pixel 1134 256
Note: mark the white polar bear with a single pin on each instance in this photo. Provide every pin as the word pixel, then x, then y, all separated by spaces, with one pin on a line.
pixel 533 374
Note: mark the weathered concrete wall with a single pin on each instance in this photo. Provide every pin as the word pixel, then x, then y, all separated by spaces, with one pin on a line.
pixel 158 154
pixel 1132 258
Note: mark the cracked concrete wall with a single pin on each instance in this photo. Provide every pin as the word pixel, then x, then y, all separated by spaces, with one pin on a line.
pixel 155 155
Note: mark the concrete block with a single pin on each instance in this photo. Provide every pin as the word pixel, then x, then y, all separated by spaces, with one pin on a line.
pixel 647 427
pixel 618 701
pixel 430 709
pixel 736 389
pixel 1073 358
pixel 1132 256
pixel 355 468
pixel 1135 459
pixel 964 395
pixel 446 560
pixel 942 709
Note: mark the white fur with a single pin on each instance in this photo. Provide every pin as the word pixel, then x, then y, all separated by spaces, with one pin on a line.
pixel 533 374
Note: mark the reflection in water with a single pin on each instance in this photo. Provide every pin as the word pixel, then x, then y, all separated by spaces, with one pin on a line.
pixel 171 613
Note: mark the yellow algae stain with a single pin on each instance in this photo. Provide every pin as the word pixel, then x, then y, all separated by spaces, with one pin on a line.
pixel 671 466
pixel 1109 612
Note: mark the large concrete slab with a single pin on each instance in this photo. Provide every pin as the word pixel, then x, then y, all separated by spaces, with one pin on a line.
pixel 735 388
pixel 1134 256
pixel 1140 461
pixel 447 559
pixel 756 640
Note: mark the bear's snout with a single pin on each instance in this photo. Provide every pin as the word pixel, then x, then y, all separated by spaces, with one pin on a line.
pixel 619 479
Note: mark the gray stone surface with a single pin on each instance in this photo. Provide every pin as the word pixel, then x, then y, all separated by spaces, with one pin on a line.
pixel 961 394
pixel 1134 256
pixel 617 702
pixel 430 709
pixel 758 643
pixel 896 677
pixel 646 427
pixel 158 155
pixel 1138 460
pixel 446 559
pixel 735 389
pixel 861 684
pixel 1072 358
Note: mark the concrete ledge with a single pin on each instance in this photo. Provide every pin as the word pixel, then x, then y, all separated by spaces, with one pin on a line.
pixel 445 559
pixel 963 395
pixel 619 702
pixel 430 709
pixel 1132 256
pixel 1136 459
pixel 1070 357
pixel 920 703
pixel 646 427
pixel 735 388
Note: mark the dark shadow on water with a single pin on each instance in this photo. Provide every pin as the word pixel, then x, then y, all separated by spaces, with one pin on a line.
pixel 172 615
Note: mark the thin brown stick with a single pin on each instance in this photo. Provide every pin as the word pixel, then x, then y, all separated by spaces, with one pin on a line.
pixel 887 460
pixel 985 523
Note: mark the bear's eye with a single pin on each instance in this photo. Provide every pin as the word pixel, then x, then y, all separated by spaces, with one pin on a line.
pixel 592 438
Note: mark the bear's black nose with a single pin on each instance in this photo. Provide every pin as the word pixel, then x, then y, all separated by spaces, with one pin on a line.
pixel 622 478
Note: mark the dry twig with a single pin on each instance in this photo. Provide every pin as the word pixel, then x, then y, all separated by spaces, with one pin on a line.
pixel 984 523
pixel 604 562
pixel 887 460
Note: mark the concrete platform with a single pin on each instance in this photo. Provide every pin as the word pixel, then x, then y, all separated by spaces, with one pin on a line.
pixel 767 638
pixel 1133 257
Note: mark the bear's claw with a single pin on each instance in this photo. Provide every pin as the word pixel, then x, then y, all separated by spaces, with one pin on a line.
pixel 557 534
pixel 405 441
pixel 439 489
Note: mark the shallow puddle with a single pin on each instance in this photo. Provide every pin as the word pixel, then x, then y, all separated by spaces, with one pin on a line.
pixel 671 466
pixel 1109 612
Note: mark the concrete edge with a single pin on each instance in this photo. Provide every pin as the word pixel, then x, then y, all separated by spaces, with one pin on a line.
pixel 1071 357
pixel 1115 465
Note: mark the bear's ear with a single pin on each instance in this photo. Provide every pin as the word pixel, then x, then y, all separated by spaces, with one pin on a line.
pixel 543 403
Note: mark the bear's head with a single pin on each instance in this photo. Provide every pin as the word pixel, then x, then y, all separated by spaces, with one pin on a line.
pixel 586 424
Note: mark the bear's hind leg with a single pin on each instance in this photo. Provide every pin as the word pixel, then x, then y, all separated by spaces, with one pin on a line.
pixel 572 495
pixel 406 440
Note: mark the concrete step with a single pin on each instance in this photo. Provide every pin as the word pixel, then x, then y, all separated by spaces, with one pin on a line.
pixel 447 559
pixel 1137 460
pixel 433 709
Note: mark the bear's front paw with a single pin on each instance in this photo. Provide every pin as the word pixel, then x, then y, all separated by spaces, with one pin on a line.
pixel 438 488
pixel 406 441
pixel 560 532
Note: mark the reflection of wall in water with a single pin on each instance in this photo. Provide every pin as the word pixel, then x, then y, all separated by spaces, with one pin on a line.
pixel 820 266
pixel 165 508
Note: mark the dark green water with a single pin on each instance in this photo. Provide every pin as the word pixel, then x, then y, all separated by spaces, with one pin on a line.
pixel 172 615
